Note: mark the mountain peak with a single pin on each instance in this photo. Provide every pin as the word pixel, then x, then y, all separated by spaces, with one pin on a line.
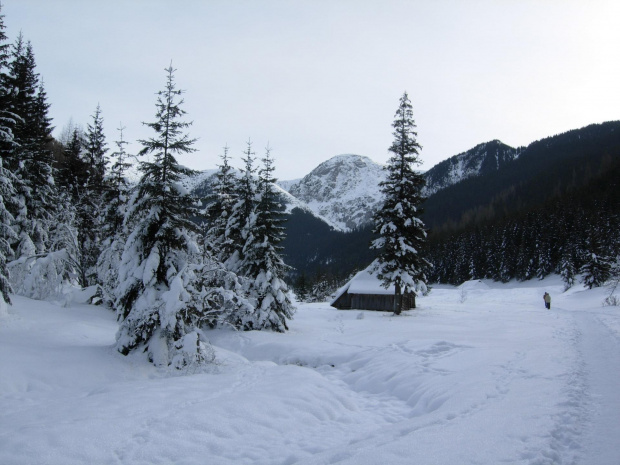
pixel 343 189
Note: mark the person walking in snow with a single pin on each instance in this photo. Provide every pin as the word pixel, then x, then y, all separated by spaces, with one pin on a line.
pixel 547 299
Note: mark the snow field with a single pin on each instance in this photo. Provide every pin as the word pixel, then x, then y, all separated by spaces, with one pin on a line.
pixel 480 374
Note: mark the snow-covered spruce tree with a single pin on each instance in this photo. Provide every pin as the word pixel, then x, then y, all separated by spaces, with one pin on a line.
pixel 221 295
pixel 242 214
pixel 39 269
pixel 89 200
pixel 155 298
pixel 115 198
pixel 8 119
pixel 95 153
pixel 72 173
pixel 37 175
pixel 32 158
pixel 261 263
pixel 567 269
pixel 401 233
pixel 219 209
pixel 597 267
pixel 7 189
pixel 115 194
pixel 7 234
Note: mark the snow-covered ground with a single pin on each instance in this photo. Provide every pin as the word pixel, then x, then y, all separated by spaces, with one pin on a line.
pixel 481 374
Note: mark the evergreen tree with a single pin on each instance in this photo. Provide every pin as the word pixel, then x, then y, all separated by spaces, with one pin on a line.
pixel 7 234
pixel 567 270
pixel 37 175
pixel 239 223
pixel 7 189
pixel 261 263
pixel 401 233
pixel 30 160
pixel 114 208
pixel 95 153
pixel 115 194
pixel 72 170
pixel 217 240
pixel 301 287
pixel 33 272
pixel 157 282
pixel 90 200
pixel 597 267
pixel 73 178
pixel 21 84
pixel 8 119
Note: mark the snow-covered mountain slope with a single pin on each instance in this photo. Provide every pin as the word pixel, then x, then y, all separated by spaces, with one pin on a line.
pixel 286 185
pixel 482 159
pixel 343 189
pixel 202 184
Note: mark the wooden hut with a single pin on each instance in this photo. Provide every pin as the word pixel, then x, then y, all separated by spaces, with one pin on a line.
pixel 365 292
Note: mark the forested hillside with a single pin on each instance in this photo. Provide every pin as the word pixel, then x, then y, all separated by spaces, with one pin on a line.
pixel 549 167
pixel 482 160
pixel 563 216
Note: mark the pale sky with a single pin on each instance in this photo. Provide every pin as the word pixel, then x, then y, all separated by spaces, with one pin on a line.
pixel 318 78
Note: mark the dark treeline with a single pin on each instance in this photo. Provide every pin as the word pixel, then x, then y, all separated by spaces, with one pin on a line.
pixel 575 232
pixel 551 167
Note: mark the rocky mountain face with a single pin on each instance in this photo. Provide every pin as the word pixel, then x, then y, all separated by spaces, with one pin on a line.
pixel 344 190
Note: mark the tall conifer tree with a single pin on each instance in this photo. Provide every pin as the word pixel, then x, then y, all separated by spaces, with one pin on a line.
pixel 8 118
pixel 95 153
pixel 217 240
pixel 114 208
pixel 7 234
pixel 262 265
pixel 401 232
pixel 7 189
pixel 155 295
pixel 241 218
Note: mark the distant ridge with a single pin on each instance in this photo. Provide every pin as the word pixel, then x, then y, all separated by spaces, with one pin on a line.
pixel 481 160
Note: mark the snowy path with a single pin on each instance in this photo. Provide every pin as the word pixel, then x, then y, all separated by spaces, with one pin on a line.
pixel 600 346
pixel 478 375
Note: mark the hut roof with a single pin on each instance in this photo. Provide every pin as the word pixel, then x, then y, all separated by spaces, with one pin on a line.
pixel 363 283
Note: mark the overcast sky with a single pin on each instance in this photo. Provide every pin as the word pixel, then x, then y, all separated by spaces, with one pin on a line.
pixel 318 78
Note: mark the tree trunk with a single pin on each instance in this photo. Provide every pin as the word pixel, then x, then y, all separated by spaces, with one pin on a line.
pixel 398 301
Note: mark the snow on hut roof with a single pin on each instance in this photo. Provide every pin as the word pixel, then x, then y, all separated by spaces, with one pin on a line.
pixel 363 283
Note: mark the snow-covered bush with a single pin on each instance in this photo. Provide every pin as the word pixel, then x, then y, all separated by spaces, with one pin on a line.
pixel 43 277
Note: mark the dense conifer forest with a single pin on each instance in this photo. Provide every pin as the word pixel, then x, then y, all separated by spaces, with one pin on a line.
pixel 577 232
pixel 553 210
